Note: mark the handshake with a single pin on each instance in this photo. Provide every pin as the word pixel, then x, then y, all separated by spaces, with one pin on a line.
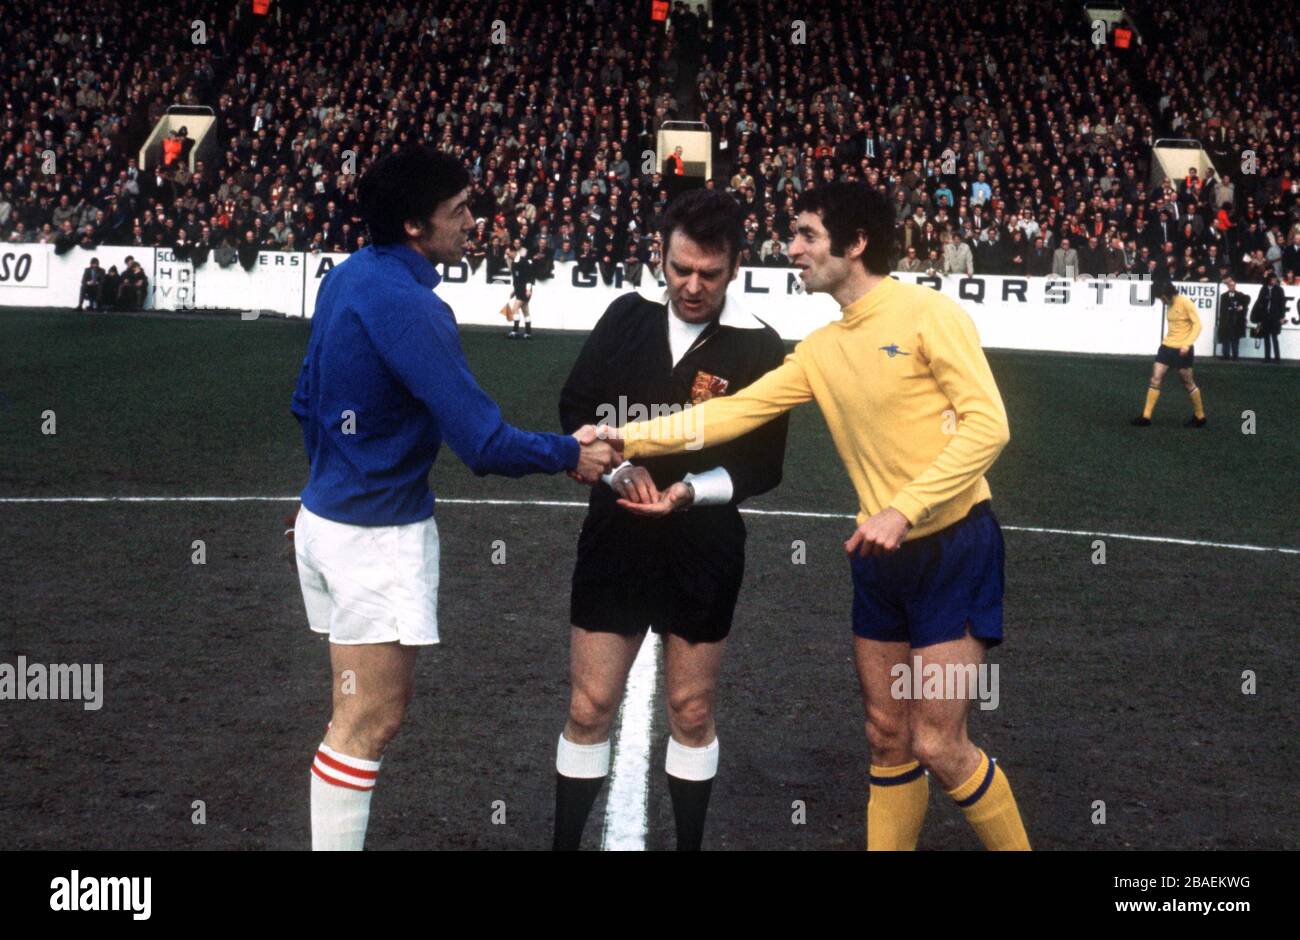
pixel 602 451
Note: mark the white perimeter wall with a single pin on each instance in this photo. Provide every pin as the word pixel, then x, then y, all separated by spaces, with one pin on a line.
pixel 1116 317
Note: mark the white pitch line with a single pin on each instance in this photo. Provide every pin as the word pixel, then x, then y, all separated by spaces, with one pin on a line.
pixel 1157 538
pixel 569 504
pixel 148 499
pixel 626 815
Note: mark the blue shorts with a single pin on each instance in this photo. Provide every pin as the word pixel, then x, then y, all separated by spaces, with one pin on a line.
pixel 1171 357
pixel 933 587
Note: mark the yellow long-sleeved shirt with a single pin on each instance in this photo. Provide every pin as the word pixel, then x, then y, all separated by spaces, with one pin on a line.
pixel 906 391
pixel 1182 325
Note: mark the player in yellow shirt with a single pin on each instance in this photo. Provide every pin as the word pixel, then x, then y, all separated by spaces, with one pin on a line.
pixel 917 420
pixel 1182 326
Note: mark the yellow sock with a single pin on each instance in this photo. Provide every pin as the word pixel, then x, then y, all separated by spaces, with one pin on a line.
pixel 990 808
pixel 1152 394
pixel 1197 408
pixel 896 807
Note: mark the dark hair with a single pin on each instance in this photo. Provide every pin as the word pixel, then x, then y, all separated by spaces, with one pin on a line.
pixel 709 217
pixel 847 209
pixel 1165 290
pixel 407 186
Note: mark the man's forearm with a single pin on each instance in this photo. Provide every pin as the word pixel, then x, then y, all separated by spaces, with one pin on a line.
pixel 512 452
pixel 968 456
pixel 719 420
pixel 709 424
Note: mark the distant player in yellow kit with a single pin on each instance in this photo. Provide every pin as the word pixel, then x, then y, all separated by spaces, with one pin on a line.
pixel 917 419
pixel 1182 328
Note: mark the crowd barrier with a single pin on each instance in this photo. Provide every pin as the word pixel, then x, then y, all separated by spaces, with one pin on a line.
pixel 1089 315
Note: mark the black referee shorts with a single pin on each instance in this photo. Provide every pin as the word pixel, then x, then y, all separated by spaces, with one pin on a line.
pixel 679 574
pixel 1170 356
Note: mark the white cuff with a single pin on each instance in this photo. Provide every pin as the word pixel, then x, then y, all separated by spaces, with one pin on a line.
pixel 691 763
pixel 583 761
pixel 712 487
pixel 608 478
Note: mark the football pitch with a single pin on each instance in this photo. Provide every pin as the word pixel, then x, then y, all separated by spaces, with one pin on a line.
pixel 1147 702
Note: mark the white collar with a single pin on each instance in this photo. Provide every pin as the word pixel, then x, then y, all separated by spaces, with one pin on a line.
pixel 733 314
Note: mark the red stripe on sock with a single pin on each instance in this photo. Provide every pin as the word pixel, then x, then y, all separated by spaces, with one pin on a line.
pixel 339 765
pixel 338 783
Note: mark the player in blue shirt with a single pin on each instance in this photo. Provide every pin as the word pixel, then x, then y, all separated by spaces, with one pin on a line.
pixel 383 384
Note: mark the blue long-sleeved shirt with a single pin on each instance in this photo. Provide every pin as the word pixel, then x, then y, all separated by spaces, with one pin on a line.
pixel 384 382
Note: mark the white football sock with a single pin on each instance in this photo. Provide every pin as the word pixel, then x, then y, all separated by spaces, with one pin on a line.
pixel 340 800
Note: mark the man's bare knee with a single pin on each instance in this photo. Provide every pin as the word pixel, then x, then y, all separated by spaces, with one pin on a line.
pixel 890 739
pixel 944 750
pixel 691 717
pixel 590 715
pixel 933 745
pixel 388 723
pixel 373 683
pixel 367 732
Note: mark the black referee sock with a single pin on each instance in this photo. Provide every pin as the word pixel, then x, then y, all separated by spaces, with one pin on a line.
pixel 580 770
pixel 574 797
pixel 690 805
pixel 690 773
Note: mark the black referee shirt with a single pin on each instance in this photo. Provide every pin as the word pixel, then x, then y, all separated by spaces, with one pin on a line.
pixel 521 277
pixel 628 357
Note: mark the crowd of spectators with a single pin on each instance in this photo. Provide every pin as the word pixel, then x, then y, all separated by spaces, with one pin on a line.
pixel 1006 140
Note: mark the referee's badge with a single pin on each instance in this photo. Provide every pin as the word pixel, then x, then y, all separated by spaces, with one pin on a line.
pixel 707 386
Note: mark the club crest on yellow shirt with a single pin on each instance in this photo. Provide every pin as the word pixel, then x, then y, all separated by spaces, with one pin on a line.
pixel 892 350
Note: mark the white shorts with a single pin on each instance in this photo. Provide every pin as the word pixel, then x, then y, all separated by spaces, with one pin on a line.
pixel 369 584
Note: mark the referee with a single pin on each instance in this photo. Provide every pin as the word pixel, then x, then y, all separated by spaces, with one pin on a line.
pixel 917 419
pixel 521 292
pixel 663 544
pixel 383 384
